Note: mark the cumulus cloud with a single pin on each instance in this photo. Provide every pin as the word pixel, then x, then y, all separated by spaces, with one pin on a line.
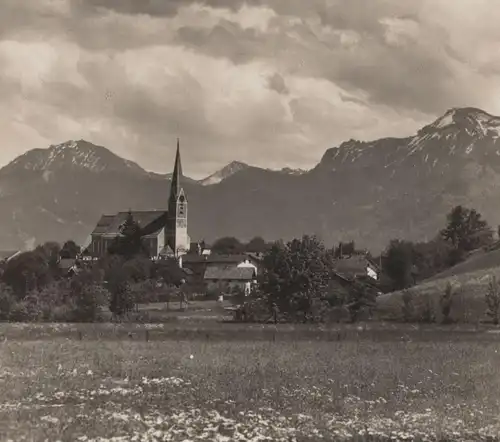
pixel 269 82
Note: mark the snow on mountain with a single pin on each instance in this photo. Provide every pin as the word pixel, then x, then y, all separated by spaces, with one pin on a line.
pixel 224 173
pixel 237 166
pixel 474 121
pixel 290 171
pixel 460 132
pixel 72 155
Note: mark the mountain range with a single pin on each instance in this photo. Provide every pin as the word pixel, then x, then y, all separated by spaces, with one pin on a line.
pixel 369 192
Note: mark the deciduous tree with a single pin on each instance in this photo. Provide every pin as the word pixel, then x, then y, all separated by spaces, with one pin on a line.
pixel 296 273
pixel 228 245
pixel 398 262
pixel 466 230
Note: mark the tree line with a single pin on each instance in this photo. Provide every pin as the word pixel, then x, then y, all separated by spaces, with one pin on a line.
pixel 405 263
pixel 297 276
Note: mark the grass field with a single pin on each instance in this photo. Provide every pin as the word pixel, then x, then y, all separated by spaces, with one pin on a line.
pixel 241 390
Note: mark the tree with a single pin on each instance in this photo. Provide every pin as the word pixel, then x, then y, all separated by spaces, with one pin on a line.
pixel 228 245
pixel 117 283
pixel 408 308
pixel 129 243
pixel 432 257
pixel 121 298
pixel 7 301
pixel 446 302
pixel 398 262
pixel 466 230
pixel 138 268
pixel 70 250
pixel 493 300
pixel 256 245
pixel 27 272
pixel 88 296
pixel 360 296
pixel 345 249
pixel 295 274
pixel 50 253
pixel 168 271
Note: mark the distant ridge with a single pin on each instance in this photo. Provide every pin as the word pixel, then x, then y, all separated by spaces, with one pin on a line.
pixel 369 192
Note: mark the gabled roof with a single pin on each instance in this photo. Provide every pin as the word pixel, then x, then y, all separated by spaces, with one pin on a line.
pixel 353 265
pixel 166 251
pixel 150 221
pixel 226 273
pixel 256 256
pixel 104 223
pixel 66 263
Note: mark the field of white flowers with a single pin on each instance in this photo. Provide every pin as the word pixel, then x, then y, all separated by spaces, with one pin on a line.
pixel 126 390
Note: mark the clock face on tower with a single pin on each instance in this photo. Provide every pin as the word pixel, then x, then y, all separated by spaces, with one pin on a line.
pixel 181 210
pixel 181 223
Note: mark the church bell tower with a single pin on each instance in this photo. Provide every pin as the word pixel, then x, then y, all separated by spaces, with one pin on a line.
pixel 176 236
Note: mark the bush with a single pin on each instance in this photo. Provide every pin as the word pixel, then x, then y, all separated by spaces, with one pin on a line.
pixel 408 308
pixel 446 302
pixel 87 297
pixel 493 300
pixel 20 312
pixel 7 302
pixel 427 316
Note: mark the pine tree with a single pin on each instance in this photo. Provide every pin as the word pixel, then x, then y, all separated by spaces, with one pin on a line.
pixel 129 243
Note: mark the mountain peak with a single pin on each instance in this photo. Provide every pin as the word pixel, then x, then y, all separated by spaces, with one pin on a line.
pixel 71 155
pixel 473 120
pixel 227 171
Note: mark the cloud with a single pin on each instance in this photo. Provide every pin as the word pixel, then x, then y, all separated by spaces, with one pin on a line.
pixel 277 83
pixel 269 82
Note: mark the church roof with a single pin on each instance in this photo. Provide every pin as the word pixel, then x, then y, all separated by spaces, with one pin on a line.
pixel 150 221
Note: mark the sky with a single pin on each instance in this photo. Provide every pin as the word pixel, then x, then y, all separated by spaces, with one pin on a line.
pixel 273 83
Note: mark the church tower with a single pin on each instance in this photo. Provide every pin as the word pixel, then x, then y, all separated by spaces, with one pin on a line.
pixel 176 235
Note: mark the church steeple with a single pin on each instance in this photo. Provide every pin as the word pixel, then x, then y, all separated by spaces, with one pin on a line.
pixel 176 185
pixel 176 236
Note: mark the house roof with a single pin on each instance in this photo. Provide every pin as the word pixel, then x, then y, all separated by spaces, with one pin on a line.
pixel 215 258
pixel 352 266
pixel 166 251
pixel 257 256
pixel 229 273
pixel 66 263
pixel 151 221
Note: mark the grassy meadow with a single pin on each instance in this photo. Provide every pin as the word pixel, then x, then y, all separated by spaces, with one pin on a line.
pixel 359 389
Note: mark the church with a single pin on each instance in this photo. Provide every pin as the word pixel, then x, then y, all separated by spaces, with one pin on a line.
pixel 164 232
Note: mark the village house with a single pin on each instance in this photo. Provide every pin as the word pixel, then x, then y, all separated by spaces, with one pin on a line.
pixel 164 232
pixel 212 270
pixel 230 279
pixel 357 266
